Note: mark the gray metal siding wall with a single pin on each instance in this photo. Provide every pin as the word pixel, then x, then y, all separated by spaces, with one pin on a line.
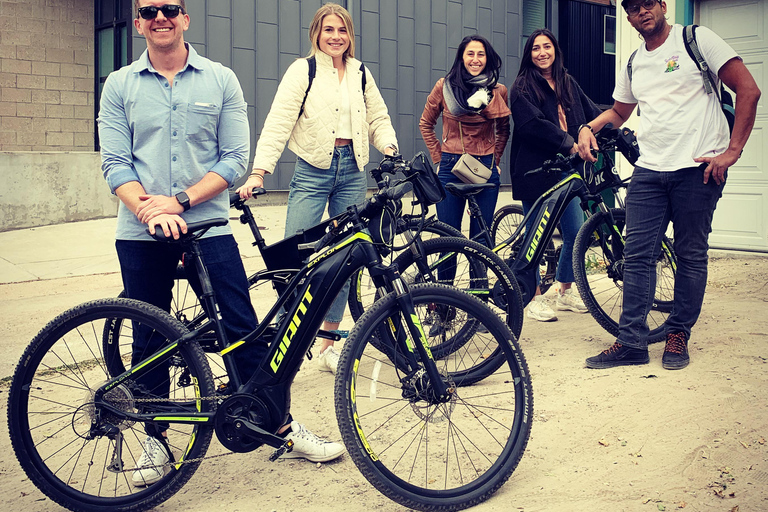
pixel 407 44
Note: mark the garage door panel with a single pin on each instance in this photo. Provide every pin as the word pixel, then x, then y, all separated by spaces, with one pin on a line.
pixel 753 164
pixel 741 23
pixel 741 219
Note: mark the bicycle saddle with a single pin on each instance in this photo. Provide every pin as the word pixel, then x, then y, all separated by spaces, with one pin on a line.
pixel 468 189
pixel 194 230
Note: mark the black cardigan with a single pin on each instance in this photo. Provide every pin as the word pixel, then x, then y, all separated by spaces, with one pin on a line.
pixel 537 135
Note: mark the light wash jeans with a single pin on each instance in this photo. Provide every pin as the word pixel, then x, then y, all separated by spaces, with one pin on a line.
pixel 340 186
pixel 653 200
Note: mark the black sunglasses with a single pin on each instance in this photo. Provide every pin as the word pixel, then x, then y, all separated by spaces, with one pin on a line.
pixel 169 11
pixel 634 9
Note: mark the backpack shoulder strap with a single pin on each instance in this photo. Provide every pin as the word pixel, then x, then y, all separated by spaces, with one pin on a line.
pixel 311 73
pixel 629 66
pixel 629 73
pixel 365 78
pixel 692 47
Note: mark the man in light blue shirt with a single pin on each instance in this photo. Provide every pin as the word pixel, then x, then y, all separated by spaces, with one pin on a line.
pixel 174 136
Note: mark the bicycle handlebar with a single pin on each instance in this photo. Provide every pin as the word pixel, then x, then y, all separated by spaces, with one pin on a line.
pixel 367 209
pixel 608 139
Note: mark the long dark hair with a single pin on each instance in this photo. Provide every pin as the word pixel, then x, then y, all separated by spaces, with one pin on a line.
pixel 458 76
pixel 527 81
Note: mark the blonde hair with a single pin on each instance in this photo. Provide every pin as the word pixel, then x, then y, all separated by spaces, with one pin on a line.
pixel 317 25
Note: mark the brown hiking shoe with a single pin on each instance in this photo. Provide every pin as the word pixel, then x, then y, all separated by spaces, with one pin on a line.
pixel 676 352
pixel 618 355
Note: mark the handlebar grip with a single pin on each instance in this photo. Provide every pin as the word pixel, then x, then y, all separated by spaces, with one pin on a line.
pixel 399 190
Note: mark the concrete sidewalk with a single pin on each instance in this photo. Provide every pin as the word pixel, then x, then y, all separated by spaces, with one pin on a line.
pixel 88 248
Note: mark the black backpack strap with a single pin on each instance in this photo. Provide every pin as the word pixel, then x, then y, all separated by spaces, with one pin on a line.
pixel 311 73
pixel 629 66
pixel 629 73
pixel 692 47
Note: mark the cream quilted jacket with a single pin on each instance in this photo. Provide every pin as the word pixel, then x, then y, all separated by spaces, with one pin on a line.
pixel 312 137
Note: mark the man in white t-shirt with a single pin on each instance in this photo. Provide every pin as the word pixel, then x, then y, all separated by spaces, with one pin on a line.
pixel 685 152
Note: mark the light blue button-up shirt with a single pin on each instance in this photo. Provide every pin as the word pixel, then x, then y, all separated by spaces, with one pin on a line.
pixel 168 137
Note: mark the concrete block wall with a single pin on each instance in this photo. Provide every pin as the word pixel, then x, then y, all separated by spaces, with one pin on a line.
pixel 46 75
pixel 48 187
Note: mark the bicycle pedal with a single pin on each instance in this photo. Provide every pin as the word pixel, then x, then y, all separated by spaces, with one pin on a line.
pixel 285 448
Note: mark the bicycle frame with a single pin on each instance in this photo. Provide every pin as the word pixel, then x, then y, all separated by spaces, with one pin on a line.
pixel 316 284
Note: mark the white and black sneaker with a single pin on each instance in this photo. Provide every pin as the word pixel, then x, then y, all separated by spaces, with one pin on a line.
pixel 307 445
pixel 151 464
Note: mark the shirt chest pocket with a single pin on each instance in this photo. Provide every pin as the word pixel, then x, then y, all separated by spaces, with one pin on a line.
pixel 202 121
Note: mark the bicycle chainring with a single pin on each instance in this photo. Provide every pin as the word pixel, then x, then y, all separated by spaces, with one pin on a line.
pixel 241 407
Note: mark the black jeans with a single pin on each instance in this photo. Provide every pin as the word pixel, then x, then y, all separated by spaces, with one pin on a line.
pixel 653 200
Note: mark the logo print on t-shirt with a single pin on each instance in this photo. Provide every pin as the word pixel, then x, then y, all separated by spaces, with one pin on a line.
pixel 672 64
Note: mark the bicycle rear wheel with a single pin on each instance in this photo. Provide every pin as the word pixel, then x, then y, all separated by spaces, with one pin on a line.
pixel 84 457
pixel 598 265
pixel 505 222
pixel 420 453
pixel 186 308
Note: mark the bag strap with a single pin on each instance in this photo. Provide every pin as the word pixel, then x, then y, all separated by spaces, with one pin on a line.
pixel 312 71
pixel 629 66
pixel 629 73
pixel 692 47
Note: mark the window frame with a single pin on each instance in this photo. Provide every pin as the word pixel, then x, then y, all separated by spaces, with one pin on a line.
pixel 121 25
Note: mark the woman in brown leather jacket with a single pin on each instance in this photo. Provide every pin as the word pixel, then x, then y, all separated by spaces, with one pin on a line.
pixel 469 94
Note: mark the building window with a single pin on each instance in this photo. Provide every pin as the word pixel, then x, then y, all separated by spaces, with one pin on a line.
pixel 609 34
pixel 534 17
pixel 113 24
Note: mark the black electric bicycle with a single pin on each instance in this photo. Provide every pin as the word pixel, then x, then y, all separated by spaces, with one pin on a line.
pixel 598 251
pixel 480 271
pixel 431 434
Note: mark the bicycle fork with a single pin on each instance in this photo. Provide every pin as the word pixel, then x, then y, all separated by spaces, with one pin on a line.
pixel 426 381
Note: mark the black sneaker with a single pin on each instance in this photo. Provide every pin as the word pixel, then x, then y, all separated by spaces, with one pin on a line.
pixel 676 352
pixel 618 355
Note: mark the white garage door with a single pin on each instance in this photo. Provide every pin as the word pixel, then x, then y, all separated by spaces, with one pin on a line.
pixel 741 219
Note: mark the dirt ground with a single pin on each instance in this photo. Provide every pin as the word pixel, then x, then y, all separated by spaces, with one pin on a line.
pixel 628 439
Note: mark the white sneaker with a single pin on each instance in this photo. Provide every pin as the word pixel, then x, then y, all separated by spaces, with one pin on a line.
pixel 307 445
pixel 328 360
pixel 154 455
pixel 539 310
pixel 569 301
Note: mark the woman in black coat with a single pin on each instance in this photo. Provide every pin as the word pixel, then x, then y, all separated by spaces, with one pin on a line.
pixel 548 110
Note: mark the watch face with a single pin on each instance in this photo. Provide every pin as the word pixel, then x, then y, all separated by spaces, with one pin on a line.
pixel 183 200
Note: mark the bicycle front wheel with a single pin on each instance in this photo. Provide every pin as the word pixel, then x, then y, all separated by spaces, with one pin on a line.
pixel 598 266
pixel 422 452
pixel 82 456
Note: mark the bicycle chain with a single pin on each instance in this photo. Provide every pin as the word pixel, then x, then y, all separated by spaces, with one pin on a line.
pixel 169 463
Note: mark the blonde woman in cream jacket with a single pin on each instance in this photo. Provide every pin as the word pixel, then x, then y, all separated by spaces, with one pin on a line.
pixel 330 137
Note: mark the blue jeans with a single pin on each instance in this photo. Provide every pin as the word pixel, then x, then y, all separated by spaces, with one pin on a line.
pixel 570 222
pixel 653 200
pixel 148 270
pixel 341 186
pixel 451 209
